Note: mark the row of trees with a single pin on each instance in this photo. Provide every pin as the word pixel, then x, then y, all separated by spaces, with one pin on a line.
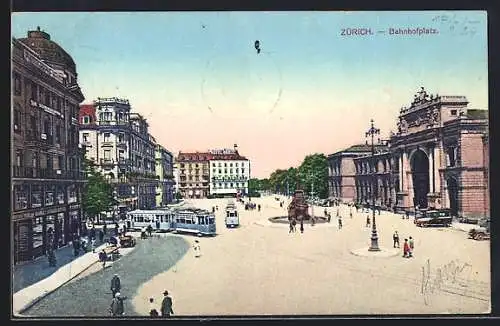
pixel 311 175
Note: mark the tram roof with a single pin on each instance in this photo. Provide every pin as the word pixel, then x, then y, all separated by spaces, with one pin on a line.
pixel 146 211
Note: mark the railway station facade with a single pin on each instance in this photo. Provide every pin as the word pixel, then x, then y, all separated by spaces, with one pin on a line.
pixel 438 158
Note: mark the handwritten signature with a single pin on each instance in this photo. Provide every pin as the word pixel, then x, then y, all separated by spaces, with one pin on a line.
pixel 463 26
pixel 450 274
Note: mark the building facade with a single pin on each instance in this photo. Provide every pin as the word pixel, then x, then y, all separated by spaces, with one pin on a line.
pixel 46 161
pixel 229 173
pixel 165 175
pixel 342 172
pixel 437 159
pixel 117 141
pixel 194 174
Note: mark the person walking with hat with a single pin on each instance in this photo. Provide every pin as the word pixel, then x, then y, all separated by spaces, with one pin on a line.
pixel 395 239
pixel 196 248
pixel 115 285
pixel 166 305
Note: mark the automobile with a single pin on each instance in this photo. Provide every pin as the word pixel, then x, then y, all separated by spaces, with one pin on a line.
pixel 441 217
pixel 127 241
pixel 482 232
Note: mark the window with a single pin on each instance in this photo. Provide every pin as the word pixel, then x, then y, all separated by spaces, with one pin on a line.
pixel 107 154
pixel 85 137
pixel 220 164
pixel 37 232
pixel 58 134
pixel 21 197
pixel 231 171
pixel 453 112
pixel 236 164
pixel 72 196
pixel 60 162
pixel 213 171
pixel 60 195
pixel 220 171
pixel 49 195
pixel 225 165
pixel 17 120
pixel 231 164
pixel 225 171
pixel 231 185
pixel 121 137
pixel 17 84
pixel 86 119
pixel 242 170
pixel 237 170
pixel 213 165
pixel 36 196
pixel 106 136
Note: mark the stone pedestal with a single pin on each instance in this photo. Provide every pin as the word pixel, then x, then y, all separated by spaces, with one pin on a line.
pixel 402 202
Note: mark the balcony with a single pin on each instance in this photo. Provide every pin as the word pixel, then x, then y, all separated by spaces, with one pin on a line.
pixel 107 161
pixel 31 172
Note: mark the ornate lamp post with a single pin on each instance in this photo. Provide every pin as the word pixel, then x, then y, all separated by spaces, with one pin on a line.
pixel 374 237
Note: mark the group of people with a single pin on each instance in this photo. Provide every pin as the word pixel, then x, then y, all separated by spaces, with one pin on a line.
pixel 408 245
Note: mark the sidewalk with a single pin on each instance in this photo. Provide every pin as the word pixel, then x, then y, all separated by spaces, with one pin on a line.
pixel 48 279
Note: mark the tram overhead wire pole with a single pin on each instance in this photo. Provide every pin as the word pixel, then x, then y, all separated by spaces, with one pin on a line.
pixel 374 236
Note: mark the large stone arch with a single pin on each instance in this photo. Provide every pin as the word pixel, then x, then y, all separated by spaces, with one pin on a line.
pixel 419 164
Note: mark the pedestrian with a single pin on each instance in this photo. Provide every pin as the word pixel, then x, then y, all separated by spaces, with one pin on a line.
pixel 329 217
pixel 338 212
pixel 411 245
pixel 258 207
pixel 158 224
pixel 406 249
pixel 407 215
pixel 368 220
pixel 150 230
pixel 92 244
pixel 101 237
pixel 326 213
pixel 196 248
pixel 395 239
pixel 92 233
pixel 116 307
pixel 115 284
pixel 103 257
pixel 166 305
pixel 105 228
pixel 153 312
pixel 340 222
pixel 350 212
pixel 75 247
pixel 116 229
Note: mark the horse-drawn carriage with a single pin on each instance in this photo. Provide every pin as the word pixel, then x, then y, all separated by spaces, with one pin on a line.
pixel 250 206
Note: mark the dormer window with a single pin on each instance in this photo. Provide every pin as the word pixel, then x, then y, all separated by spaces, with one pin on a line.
pixel 86 119
pixel 453 112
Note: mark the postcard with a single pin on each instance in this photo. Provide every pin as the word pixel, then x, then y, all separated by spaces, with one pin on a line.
pixel 233 163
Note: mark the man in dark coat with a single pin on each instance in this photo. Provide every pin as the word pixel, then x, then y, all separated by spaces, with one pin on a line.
pixel 166 305
pixel 115 285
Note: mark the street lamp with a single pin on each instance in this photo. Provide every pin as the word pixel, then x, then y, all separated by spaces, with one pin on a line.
pixel 374 237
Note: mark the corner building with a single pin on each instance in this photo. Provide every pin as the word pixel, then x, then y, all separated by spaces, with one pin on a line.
pixel 46 159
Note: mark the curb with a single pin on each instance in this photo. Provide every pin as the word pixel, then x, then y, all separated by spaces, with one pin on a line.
pixel 47 292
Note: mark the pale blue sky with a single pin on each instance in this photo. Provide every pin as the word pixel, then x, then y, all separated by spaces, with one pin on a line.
pixel 310 84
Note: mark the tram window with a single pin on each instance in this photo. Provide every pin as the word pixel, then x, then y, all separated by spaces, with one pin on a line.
pixel 181 220
pixel 201 220
pixel 188 221
pixel 211 220
pixel 228 214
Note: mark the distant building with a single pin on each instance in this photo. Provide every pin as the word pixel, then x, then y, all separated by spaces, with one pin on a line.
pixel 229 173
pixel 343 173
pixel 165 175
pixel 437 159
pixel 194 174
pixel 46 161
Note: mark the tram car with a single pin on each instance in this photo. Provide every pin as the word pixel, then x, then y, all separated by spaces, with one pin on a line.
pixel 232 217
pixel 193 220
pixel 159 219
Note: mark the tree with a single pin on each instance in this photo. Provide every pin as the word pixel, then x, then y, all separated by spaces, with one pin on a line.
pixel 97 193
pixel 314 169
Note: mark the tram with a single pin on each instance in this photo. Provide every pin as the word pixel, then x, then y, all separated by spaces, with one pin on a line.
pixel 194 220
pixel 232 216
pixel 159 219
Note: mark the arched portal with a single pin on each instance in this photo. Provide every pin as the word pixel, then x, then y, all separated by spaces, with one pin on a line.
pixel 420 176
pixel 453 195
